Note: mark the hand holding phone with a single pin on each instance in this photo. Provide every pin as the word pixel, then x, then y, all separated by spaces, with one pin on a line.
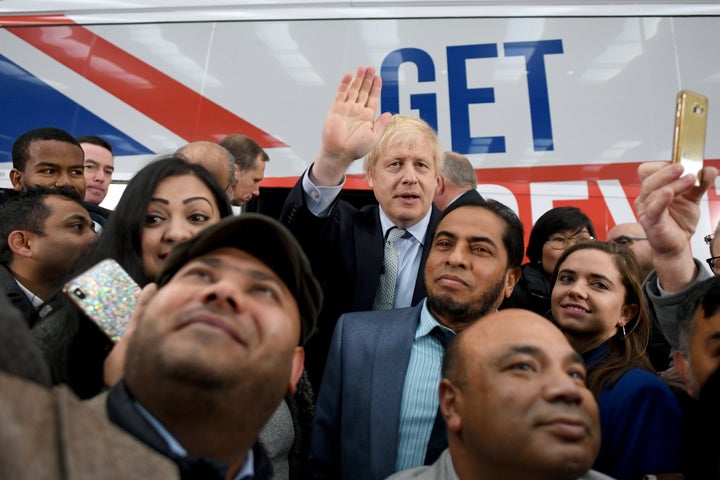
pixel 107 295
pixel 690 128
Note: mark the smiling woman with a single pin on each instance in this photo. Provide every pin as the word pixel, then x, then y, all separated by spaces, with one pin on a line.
pixel 597 301
pixel 167 201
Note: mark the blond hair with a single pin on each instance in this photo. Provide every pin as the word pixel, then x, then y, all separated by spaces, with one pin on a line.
pixel 403 129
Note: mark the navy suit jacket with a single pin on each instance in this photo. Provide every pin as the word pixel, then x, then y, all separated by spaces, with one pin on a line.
pixel 357 416
pixel 346 252
pixel 468 195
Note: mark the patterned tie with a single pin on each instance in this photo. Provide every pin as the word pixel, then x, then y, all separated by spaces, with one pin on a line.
pixel 385 295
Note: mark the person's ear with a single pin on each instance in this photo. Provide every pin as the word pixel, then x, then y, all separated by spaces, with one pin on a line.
pixel 297 369
pixel 19 243
pixel 512 276
pixel 16 177
pixel 682 365
pixel 451 405
pixel 439 185
pixel 628 312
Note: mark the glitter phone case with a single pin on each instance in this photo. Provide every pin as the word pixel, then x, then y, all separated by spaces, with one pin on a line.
pixel 107 294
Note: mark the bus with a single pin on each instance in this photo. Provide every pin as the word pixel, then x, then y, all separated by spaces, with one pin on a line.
pixel 555 103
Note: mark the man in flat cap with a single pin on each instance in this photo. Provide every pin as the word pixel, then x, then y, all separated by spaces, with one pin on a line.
pixel 217 346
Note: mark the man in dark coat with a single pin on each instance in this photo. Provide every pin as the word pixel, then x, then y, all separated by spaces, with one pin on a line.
pixel 346 245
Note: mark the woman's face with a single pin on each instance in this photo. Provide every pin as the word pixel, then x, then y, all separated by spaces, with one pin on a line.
pixel 180 207
pixel 588 298
pixel 553 247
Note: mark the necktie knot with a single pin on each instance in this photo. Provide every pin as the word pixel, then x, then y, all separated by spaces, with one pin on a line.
pixel 442 334
pixel 394 234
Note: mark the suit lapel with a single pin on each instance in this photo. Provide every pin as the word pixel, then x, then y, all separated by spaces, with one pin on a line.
pixel 392 356
pixel 122 412
pixel 17 297
pixel 369 252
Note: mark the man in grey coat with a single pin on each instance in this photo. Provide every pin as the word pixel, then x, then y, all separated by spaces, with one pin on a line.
pixel 516 406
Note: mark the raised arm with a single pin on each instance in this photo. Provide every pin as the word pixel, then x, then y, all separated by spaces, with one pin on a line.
pixel 350 130
pixel 668 208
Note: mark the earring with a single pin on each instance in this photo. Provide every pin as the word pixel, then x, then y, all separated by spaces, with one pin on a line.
pixel 623 329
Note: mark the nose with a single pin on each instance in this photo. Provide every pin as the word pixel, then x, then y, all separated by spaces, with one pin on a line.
pixel 562 387
pixel 577 290
pixel 222 294
pixel 63 180
pixel 408 173
pixel 457 257
pixel 256 190
pixel 177 230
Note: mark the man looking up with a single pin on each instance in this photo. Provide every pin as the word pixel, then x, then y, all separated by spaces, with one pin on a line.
pixel 250 161
pixel 49 157
pixel 514 399
pixel 351 249
pixel 377 407
pixel 217 346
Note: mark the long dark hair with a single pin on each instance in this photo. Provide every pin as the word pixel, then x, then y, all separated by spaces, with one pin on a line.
pixel 122 233
pixel 627 351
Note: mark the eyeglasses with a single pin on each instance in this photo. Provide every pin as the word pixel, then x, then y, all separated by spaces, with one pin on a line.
pixel 626 241
pixel 714 266
pixel 558 242
pixel 709 238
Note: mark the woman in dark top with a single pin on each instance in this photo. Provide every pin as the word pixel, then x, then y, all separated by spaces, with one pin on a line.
pixel 597 301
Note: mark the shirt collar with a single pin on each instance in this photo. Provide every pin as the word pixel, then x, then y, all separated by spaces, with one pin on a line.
pixel 417 231
pixel 427 322
pixel 37 302
pixel 247 471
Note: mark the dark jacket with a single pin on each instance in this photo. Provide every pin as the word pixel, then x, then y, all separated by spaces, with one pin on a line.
pixel 346 252
pixel 122 412
pixel 73 347
pixel 532 291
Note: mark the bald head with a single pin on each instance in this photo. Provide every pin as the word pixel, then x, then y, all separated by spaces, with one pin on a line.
pixel 216 160
pixel 515 401
pixel 632 236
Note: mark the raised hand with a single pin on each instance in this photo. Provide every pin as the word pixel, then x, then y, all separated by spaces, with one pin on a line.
pixel 350 130
pixel 668 208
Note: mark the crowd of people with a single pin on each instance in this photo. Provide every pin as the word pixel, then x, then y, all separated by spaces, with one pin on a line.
pixel 404 339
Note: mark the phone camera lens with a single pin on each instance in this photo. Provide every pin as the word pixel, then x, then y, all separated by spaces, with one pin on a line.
pixel 79 293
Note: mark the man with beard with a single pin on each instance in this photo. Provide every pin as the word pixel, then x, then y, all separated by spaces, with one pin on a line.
pixel 377 407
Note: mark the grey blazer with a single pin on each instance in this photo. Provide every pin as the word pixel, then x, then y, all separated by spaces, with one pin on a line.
pixel 355 430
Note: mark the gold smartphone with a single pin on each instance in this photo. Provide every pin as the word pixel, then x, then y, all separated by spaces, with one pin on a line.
pixel 690 128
